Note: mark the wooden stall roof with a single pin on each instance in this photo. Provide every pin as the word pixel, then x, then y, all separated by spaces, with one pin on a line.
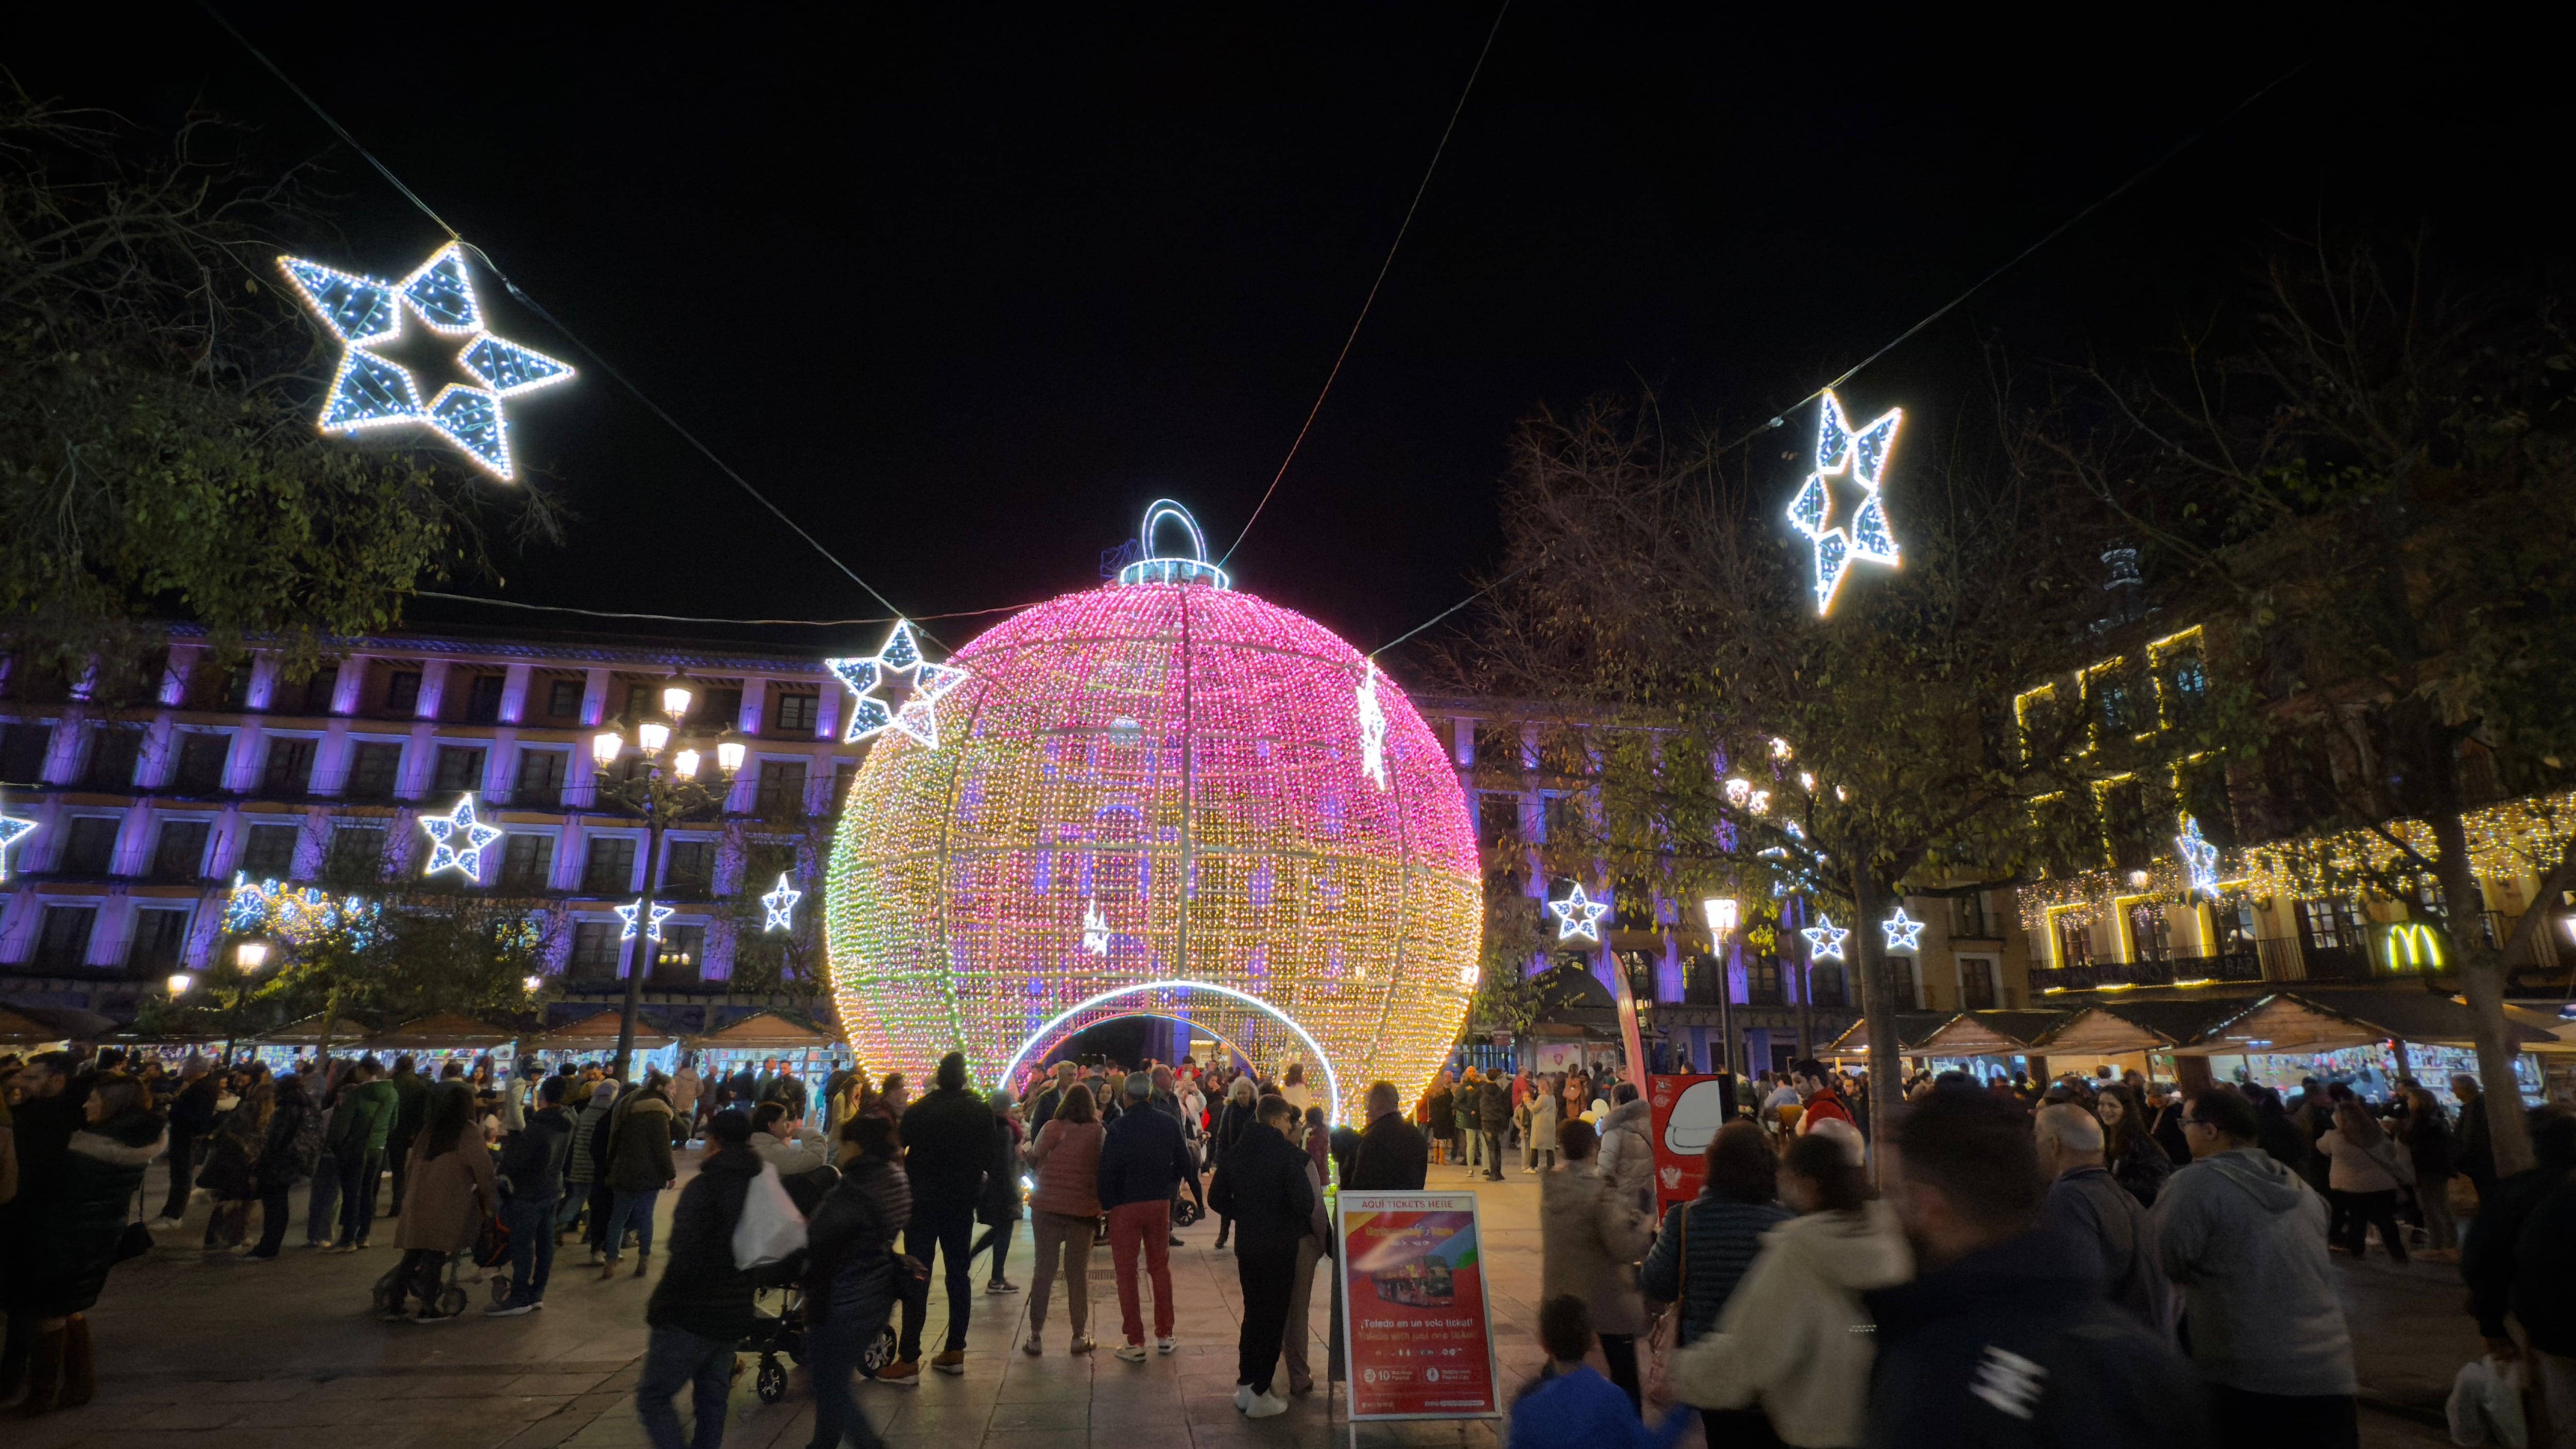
pixel 2411 1014
pixel 308 1032
pixel 768 1030
pixel 19 1029
pixel 596 1031
pixel 2105 1032
pixel 444 1029
pixel 1911 1028
pixel 1990 1034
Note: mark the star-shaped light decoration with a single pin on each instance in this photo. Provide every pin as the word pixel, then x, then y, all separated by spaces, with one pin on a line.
pixel 457 839
pixel 1578 916
pixel 1903 932
pixel 1825 939
pixel 370 391
pixel 917 716
pixel 781 905
pixel 2199 857
pixel 1372 727
pixel 1862 457
pixel 653 931
pixel 1095 929
pixel 11 830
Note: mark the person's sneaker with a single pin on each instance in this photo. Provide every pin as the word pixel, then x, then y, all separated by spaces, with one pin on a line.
pixel 509 1310
pixel 1242 1397
pixel 394 1315
pixel 1265 1406
pixel 1163 1344
pixel 951 1362
pixel 438 1315
pixel 162 1224
pixel 1176 1241
pixel 1081 1344
pixel 904 1375
pixel 256 1257
pixel 317 1247
pixel 1132 1352
pixel 1001 1285
pixel 1030 1346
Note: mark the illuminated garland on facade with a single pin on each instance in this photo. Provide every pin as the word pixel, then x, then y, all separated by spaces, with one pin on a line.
pixel 917 716
pixel 627 913
pixel 1183 762
pixel 266 908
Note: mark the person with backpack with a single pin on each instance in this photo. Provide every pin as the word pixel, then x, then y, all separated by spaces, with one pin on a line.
pixel 288 1154
pixel 531 1177
pixel 639 1169
pixel 2087 1203
pixel 703 1305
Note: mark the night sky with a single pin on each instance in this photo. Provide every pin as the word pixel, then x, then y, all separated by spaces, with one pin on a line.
pixel 964 288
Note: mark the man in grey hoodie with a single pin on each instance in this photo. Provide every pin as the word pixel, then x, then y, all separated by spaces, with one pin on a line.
pixel 2246 1240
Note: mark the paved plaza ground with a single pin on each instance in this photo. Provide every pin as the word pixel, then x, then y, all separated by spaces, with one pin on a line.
pixel 200 1350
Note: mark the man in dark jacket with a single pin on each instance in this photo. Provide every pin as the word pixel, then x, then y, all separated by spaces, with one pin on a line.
pixel 1392 1156
pixel 2089 1206
pixel 361 1128
pixel 1166 1099
pixel 2473 1149
pixel 1494 1118
pixel 2004 1336
pixel 702 1306
pixel 1262 1185
pixel 532 1159
pixel 2520 1258
pixel 192 1120
pixel 411 1097
pixel 1142 1161
pixel 947 1149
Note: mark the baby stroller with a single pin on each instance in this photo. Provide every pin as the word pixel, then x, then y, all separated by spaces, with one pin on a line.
pixel 783 1332
pixel 451 1297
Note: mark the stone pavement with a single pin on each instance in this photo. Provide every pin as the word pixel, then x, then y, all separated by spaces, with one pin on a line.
pixel 205 1351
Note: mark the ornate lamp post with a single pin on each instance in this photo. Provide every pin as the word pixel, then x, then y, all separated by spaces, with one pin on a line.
pixel 1721 924
pixel 666 790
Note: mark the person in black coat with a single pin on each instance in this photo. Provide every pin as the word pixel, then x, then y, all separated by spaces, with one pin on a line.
pixel 1262 1185
pixel 68 1222
pixel 1392 1156
pixel 851 1276
pixel 702 1306
pixel 947 1153
pixel 288 1154
pixel 532 1163
pixel 192 1120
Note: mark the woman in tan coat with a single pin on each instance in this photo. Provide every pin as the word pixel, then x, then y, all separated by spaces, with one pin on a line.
pixel 1590 1238
pixel 449 1195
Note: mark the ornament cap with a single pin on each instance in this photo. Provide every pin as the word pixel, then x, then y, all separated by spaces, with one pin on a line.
pixel 1156 568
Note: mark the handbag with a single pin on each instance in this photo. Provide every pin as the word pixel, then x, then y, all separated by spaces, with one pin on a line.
pixel 1664 1335
pixel 136 1240
pixel 770 1228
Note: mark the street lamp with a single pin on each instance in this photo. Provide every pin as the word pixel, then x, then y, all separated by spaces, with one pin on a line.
pixel 1721 912
pixel 668 789
pixel 180 983
pixel 250 956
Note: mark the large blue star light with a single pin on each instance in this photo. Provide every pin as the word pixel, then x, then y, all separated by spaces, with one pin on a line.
pixel 11 828
pixel 1903 932
pixel 1862 457
pixel 369 391
pixel 781 906
pixel 1825 939
pixel 1578 916
pixel 2199 857
pixel 458 839
pixel 916 716
pixel 628 912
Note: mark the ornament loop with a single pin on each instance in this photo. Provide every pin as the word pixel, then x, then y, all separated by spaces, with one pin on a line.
pixel 1156 568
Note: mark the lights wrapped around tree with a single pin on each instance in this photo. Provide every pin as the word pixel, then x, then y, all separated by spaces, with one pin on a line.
pixel 1152 799
pixel 266 908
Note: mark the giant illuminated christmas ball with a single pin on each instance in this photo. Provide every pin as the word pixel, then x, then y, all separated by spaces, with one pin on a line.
pixel 1165 798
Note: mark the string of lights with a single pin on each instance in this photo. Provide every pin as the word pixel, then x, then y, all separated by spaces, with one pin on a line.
pixel 708 619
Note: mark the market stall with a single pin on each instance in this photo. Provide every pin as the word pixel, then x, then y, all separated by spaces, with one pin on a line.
pixel 593 1039
pixel 280 1049
pixel 803 1050
pixel 434 1041
pixel 1851 1049
pixel 2100 1036
pixel 2366 1038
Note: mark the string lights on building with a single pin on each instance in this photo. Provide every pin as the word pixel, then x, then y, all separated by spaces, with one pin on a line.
pixel 781 906
pixel 1578 916
pixel 916 713
pixel 2199 857
pixel 1860 456
pixel 457 840
pixel 370 391
pixel 1372 720
pixel 1180 758
pixel 266 908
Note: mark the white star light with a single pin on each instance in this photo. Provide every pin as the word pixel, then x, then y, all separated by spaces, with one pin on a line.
pixel 781 905
pixel 1372 728
pixel 1862 457
pixel 2199 857
pixel 11 829
pixel 1902 931
pixel 369 391
pixel 1825 939
pixel 1578 916
pixel 653 931
pixel 458 839
pixel 1095 929
pixel 918 716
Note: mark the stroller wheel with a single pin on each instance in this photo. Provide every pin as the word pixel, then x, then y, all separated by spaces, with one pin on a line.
pixel 879 1353
pixel 500 1290
pixel 771 1383
pixel 452 1301
pixel 382 1295
pixel 1187 1213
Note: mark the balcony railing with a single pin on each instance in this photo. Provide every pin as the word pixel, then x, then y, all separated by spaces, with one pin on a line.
pixel 2095 975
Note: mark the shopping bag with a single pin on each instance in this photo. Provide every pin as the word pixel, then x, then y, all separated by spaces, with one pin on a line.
pixel 1664 1337
pixel 770 1228
pixel 2486 1405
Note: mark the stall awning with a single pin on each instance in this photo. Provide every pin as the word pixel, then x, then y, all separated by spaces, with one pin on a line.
pixel 18 1028
pixel 308 1032
pixel 1990 1034
pixel 769 1031
pixel 1911 1029
pixel 445 1029
pixel 2100 1031
pixel 2411 1014
pixel 598 1032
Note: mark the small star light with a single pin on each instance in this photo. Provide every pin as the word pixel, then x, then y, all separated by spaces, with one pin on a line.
pixel 1903 932
pixel 1862 457
pixel 1825 939
pixel 628 912
pixel 781 905
pixel 917 716
pixel 457 839
pixel 2199 857
pixel 11 828
pixel 1095 929
pixel 1578 916
pixel 368 391
pixel 1372 728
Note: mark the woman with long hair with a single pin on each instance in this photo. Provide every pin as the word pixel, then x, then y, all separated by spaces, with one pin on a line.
pixel 232 1165
pixel 290 1147
pixel 851 1279
pixel 2133 1157
pixel 1589 1236
pixel 449 1194
pixel 998 1206
pixel 1704 1248
pixel 1063 1209
pixel 69 1223
pixel 2362 1174
pixel 1240 1101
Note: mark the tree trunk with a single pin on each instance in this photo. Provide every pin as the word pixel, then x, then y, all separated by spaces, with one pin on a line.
pixel 2482 977
pixel 330 1014
pixel 1878 1011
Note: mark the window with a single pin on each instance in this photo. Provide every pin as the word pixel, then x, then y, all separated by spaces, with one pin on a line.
pixel 1968 918
pixel 357 851
pixel 528 863
pixel 1830 986
pixel 112 755
pixel 2074 940
pixel 459 770
pixel 1903 992
pixel 610 869
pixel 402 691
pixel 1762 980
pixel 22 753
pixel 201 761
pixel 483 699
pixel 2150 934
pixel 2186 691
pixel 373 768
pixel 1561 818
pixel 563 699
pixel 1976 983
pixel 180 853
pixel 237 687
pixel 2235 919
pixel 319 686
pixel 764 862
pixel 679 955
pixel 2111 704
pixel 782 788
pixel 541 777
pixel 290 767
pixel 796 714
pixel 90 846
pixel 594 951
pixel 1498 818
pixel 640 703
pixel 268 853
pixel 63 941
pixel 692 870
pixel 2133 839
pixel 159 938
pixel 2327 925
pixel 1498 747
pixel 717 708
